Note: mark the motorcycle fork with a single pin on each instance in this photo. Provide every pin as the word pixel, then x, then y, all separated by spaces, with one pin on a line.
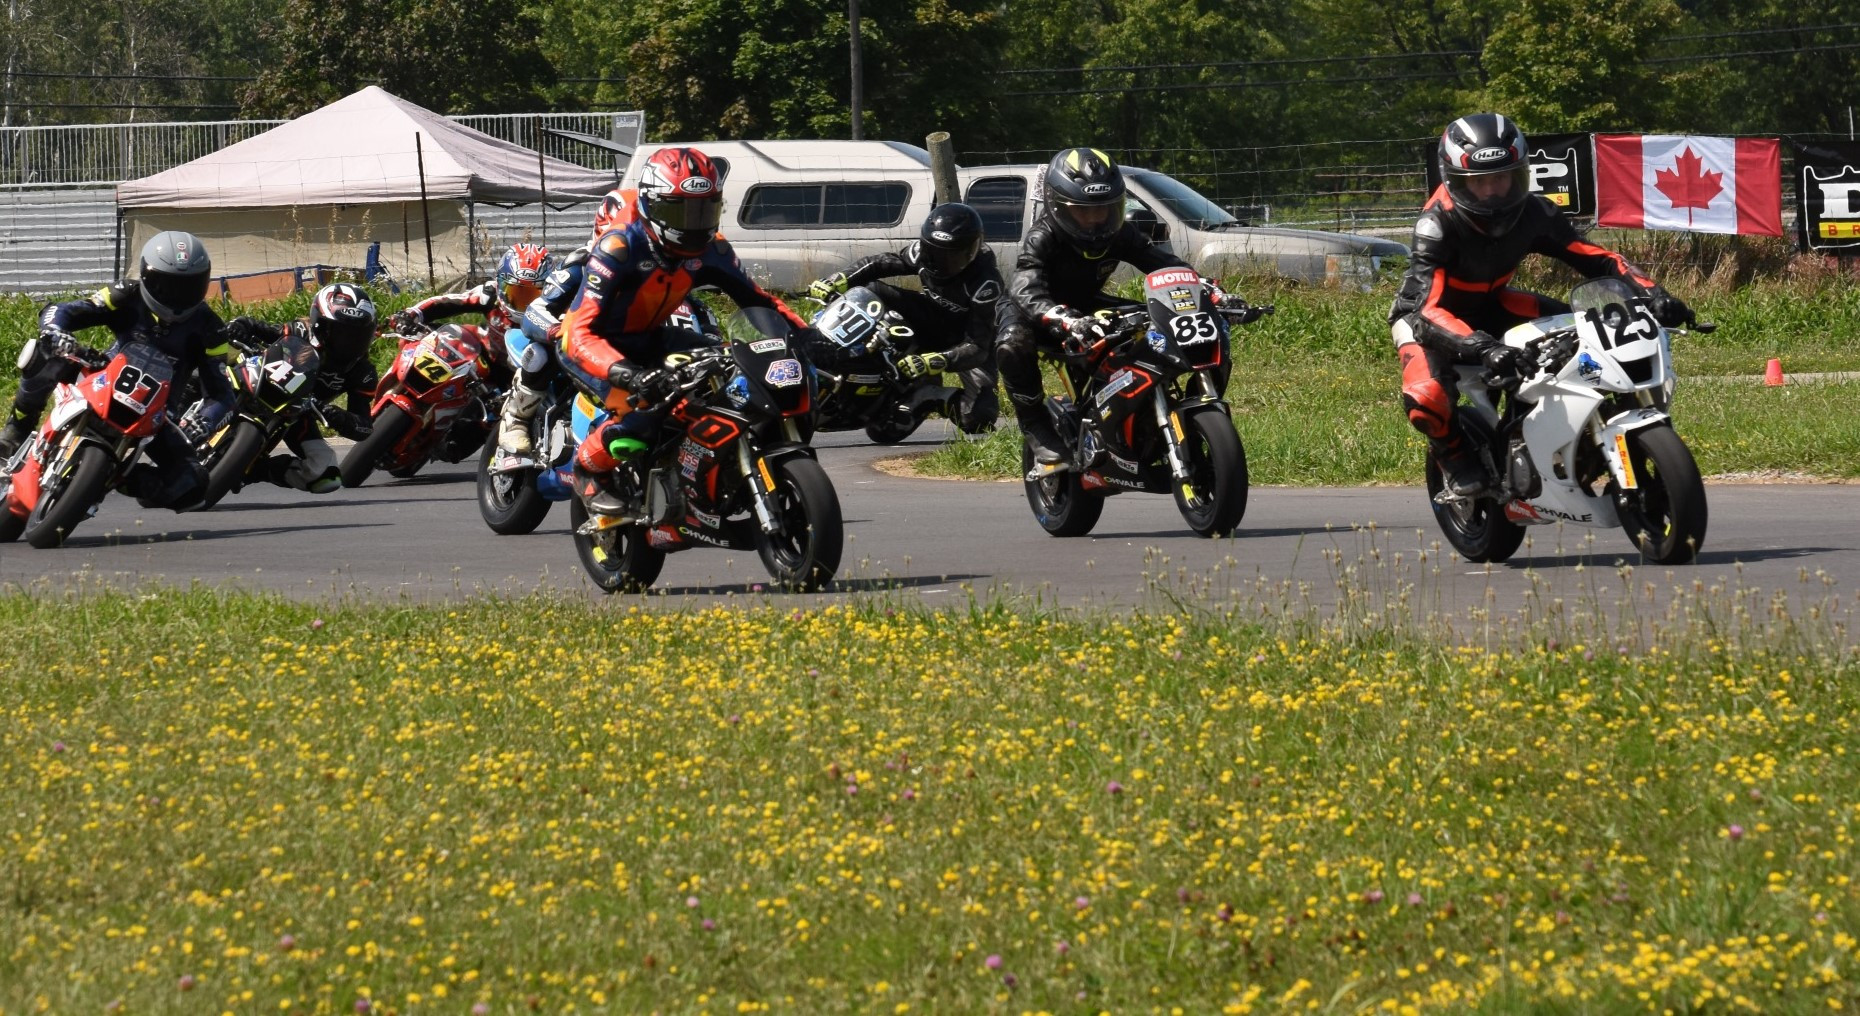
pixel 1174 437
pixel 761 488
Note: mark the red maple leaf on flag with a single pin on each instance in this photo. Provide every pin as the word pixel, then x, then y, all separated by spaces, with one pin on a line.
pixel 1688 185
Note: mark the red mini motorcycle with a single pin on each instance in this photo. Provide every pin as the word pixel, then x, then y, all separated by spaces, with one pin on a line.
pixel 90 440
pixel 435 403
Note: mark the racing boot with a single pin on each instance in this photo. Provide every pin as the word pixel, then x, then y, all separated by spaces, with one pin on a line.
pixel 608 493
pixel 16 431
pixel 1037 429
pixel 1460 470
pixel 513 429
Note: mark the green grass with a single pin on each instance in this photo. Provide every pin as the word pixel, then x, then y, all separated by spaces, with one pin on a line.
pixel 232 803
pixel 1316 389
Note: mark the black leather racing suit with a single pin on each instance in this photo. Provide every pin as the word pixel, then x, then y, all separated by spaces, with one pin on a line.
pixel 311 464
pixel 1456 301
pixel 953 316
pixel 1052 276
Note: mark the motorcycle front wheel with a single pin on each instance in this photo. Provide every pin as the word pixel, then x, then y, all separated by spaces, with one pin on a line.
pixel 1666 515
pixel 1478 529
pixel 390 427
pixel 243 442
pixel 805 554
pixel 617 558
pixel 63 505
pixel 1060 503
pixel 1214 500
pixel 509 502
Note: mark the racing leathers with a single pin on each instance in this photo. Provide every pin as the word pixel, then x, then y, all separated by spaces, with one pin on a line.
pixel 311 464
pixel 615 336
pixel 481 299
pixel 1456 300
pixel 195 342
pixel 952 316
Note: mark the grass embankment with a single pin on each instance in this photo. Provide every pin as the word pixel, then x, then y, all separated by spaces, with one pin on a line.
pixel 248 805
pixel 1317 400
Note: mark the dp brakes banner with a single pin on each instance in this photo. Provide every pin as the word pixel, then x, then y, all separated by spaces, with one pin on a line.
pixel 1828 196
pixel 1562 169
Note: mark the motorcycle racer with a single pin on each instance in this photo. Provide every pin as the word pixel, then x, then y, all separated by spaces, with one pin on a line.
pixel 165 308
pixel 1475 229
pixel 615 336
pixel 954 315
pixel 501 299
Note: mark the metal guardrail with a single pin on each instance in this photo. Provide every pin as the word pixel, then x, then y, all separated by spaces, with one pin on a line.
pixel 103 155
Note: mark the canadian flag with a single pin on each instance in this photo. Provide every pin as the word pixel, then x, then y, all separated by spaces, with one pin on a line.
pixel 1706 185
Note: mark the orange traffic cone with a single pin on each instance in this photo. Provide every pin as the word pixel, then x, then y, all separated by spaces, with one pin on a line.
pixel 1773 375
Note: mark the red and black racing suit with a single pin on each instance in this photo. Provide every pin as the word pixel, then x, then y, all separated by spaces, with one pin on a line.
pixel 480 299
pixel 1456 299
pixel 629 292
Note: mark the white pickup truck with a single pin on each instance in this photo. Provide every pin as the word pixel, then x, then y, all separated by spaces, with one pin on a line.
pixel 798 210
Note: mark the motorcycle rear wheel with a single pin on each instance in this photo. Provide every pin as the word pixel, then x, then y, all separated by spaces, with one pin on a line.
pixel 63 505
pixel 1216 500
pixel 390 427
pixel 509 502
pixel 617 559
pixel 805 555
pixel 892 428
pixel 1666 516
pixel 1060 503
pixel 243 442
pixel 1479 530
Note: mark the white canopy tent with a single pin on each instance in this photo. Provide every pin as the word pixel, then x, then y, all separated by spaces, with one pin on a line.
pixel 323 189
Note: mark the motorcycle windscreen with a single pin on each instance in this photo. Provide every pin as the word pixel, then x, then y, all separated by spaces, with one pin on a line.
pixel 1183 325
pixel 286 370
pixel 851 322
pixel 780 382
pixel 137 382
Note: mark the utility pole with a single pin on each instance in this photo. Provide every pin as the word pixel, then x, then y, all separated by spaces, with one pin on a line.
pixel 858 74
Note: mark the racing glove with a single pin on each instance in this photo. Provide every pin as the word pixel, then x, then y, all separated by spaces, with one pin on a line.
pixel 1668 309
pixel 1501 359
pixel 644 385
pixel 195 428
pixel 405 321
pixel 919 364
pixel 827 288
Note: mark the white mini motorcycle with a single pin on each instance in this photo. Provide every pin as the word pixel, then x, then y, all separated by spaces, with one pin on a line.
pixel 1580 436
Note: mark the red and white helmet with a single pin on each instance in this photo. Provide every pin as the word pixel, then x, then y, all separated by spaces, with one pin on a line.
pixel 681 199
pixel 612 213
pixel 521 273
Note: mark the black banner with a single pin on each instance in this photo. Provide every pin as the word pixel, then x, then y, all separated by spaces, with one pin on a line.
pixel 1828 196
pixel 1562 169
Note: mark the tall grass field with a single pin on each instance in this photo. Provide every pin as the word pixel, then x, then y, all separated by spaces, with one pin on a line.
pixel 229 803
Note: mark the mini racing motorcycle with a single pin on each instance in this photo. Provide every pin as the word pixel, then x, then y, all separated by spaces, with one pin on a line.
pixel 1144 410
pixel 1581 435
pixel 273 388
pixel 91 438
pixel 435 403
pixel 729 467
pixel 869 392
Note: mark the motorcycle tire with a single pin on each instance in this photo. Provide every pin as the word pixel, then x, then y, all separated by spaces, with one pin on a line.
pixel 389 429
pixel 1217 469
pixel 1479 531
pixel 1666 515
pixel 243 442
pixel 1060 503
pixel 509 502
pixel 617 559
pixel 892 428
pixel 63 506
pixel 805 555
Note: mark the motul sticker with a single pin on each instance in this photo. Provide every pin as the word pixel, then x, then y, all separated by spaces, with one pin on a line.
pixel 1172 277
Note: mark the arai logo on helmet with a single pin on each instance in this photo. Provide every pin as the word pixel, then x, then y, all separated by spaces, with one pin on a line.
pixel 1095 189
pixel 696 185
pixel 1491 154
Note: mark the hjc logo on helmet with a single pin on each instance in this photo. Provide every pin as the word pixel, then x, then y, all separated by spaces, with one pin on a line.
pixel 941 236
pixel 1491 154
pixel 1097 188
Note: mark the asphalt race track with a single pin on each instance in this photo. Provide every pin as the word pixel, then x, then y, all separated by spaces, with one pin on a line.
pixel 943 541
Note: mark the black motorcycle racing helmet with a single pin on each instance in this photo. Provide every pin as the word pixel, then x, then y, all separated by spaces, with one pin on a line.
pixel 950 239
pixel 175 271
pixel 1487 169
pixel 342 320
pixel 1085 195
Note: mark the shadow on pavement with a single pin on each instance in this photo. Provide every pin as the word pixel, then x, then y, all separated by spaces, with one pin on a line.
pixel 1628 556
pixel 83 541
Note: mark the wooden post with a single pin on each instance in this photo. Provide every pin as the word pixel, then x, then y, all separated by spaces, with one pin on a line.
pixel 943 167
pixel 858 73
pixel 426 215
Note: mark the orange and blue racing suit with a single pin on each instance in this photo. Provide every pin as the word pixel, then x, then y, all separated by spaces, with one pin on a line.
pixel 619 317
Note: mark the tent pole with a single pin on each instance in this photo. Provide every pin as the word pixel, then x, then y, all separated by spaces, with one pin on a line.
pixel 471 242
pixel 426 217
pixel 542 183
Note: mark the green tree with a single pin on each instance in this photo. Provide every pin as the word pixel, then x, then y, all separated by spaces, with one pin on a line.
pixel 1568 65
